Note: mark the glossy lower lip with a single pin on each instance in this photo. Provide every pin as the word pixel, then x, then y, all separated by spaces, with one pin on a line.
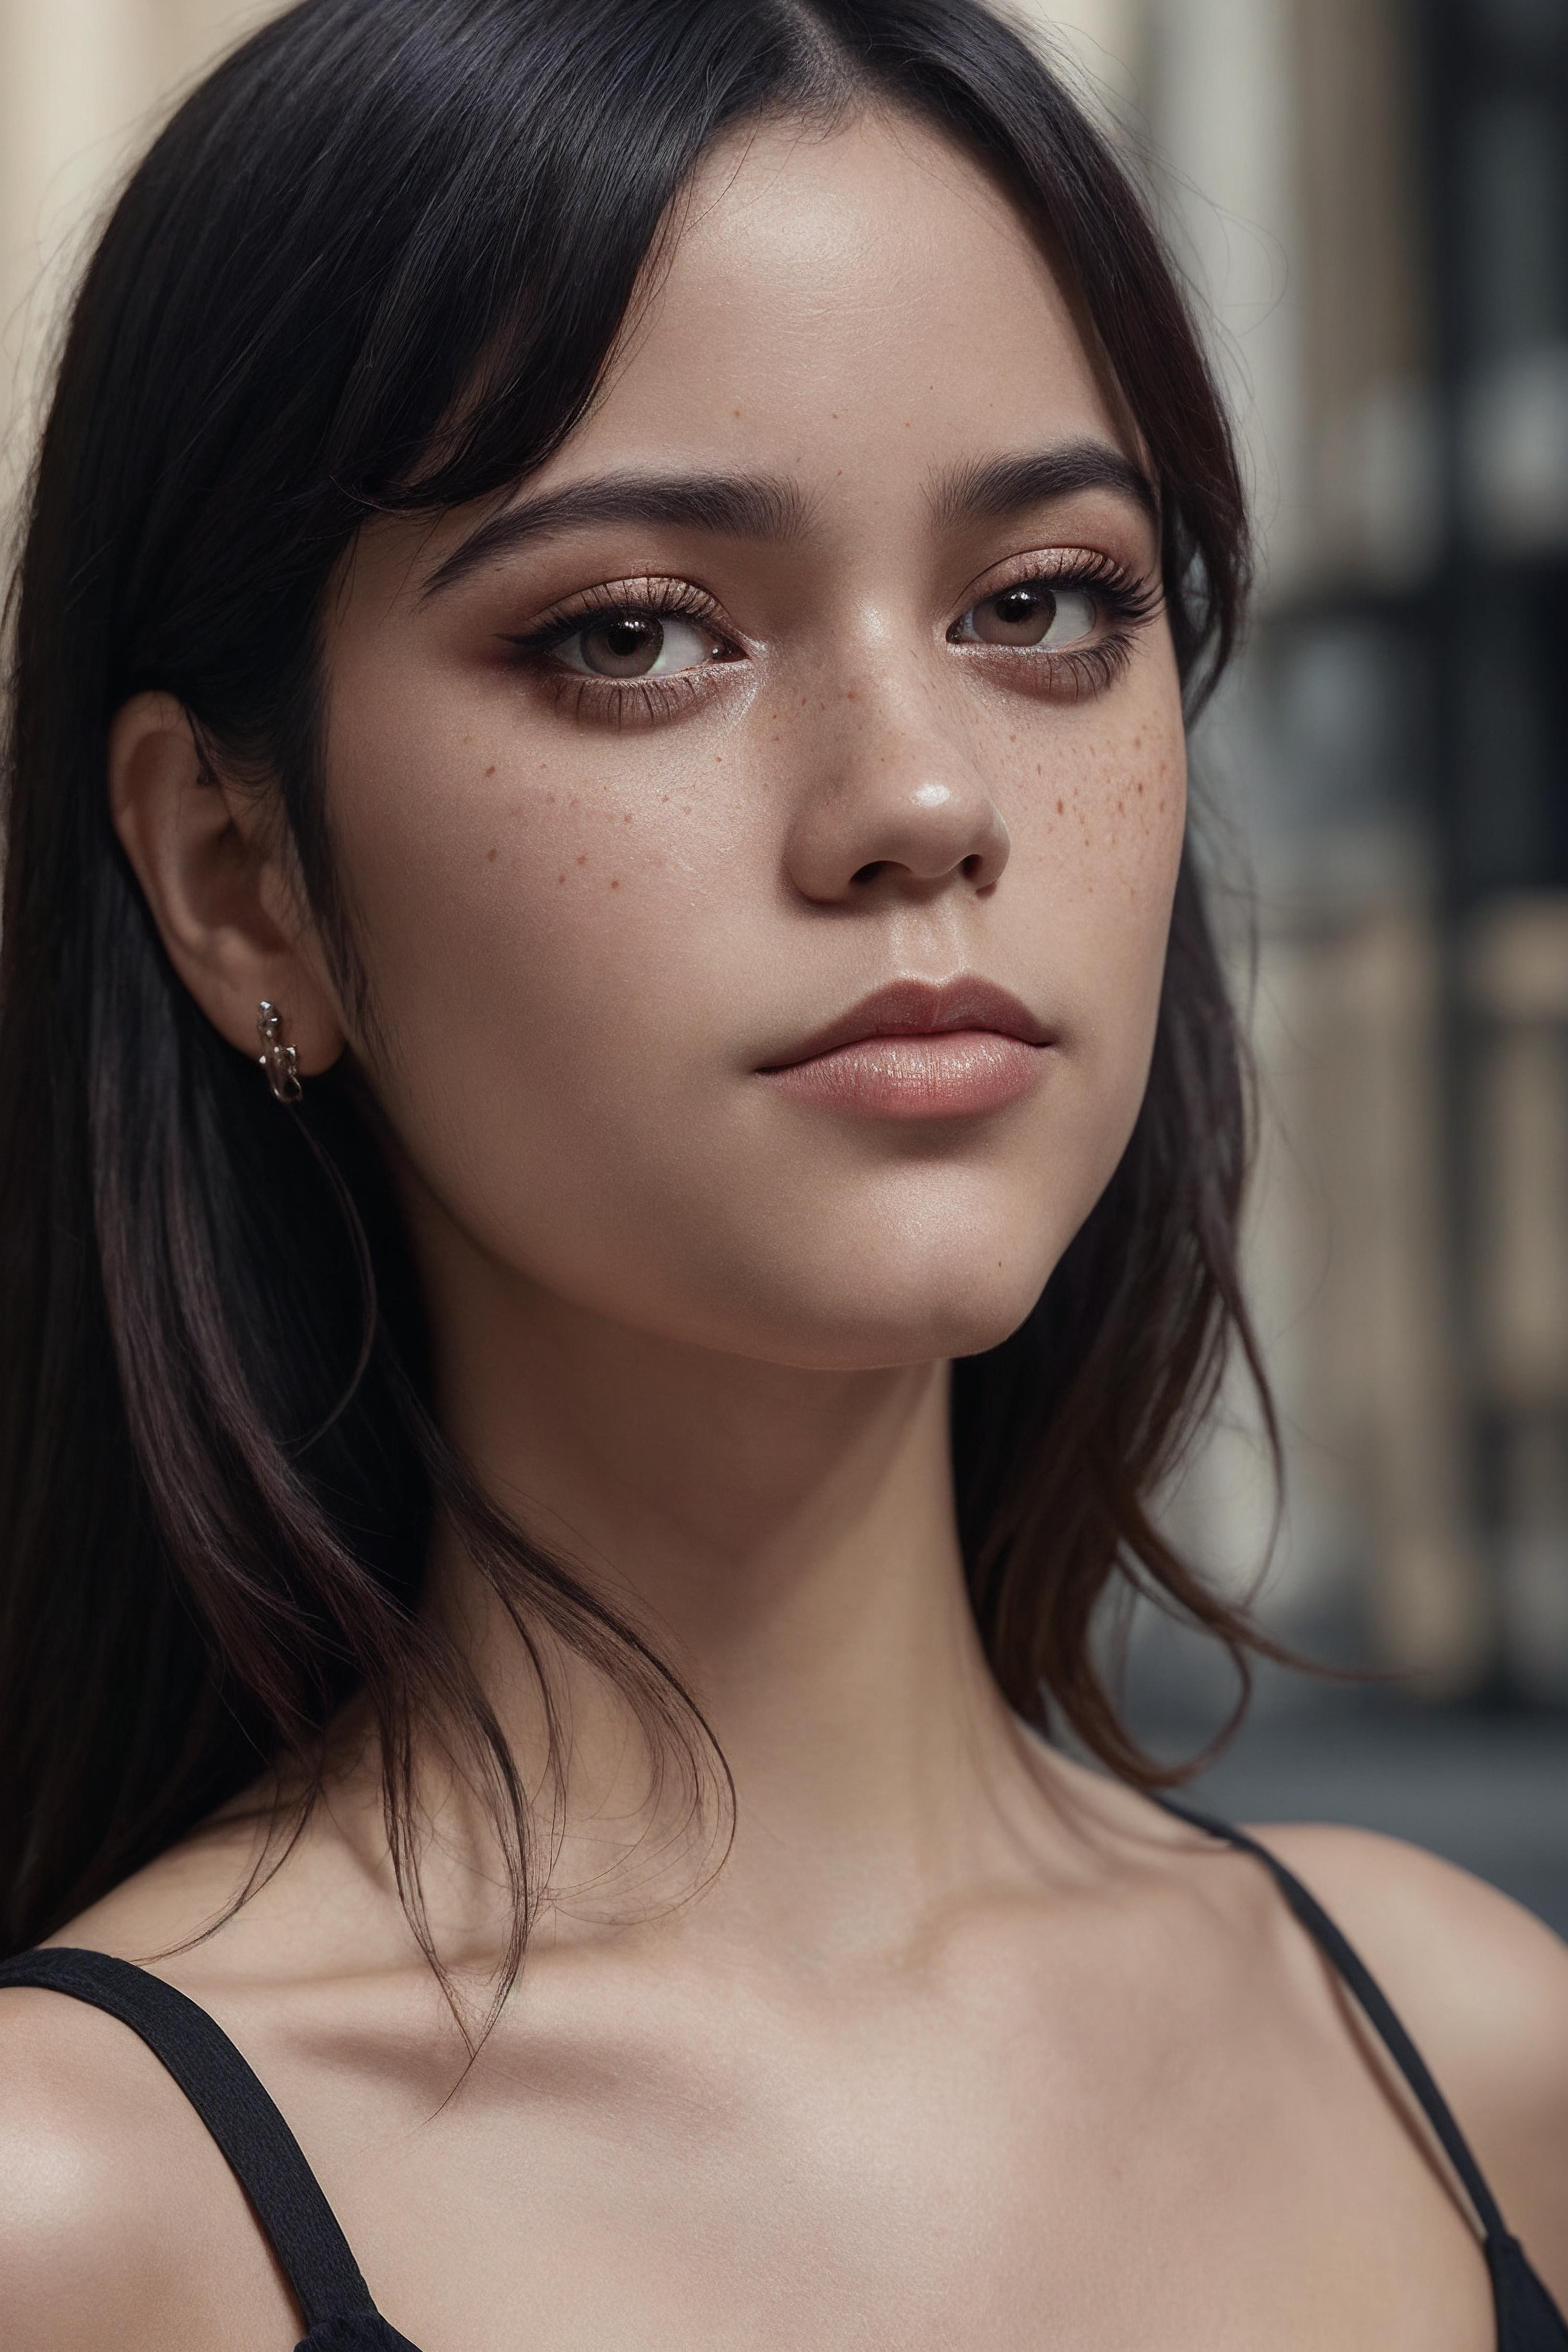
pixel 918 1049
pixel 955 1073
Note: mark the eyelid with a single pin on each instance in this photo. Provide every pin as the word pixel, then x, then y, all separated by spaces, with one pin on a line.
pixel 623 701
pixel 1128 600
pixel 654 596
pixel 1139 594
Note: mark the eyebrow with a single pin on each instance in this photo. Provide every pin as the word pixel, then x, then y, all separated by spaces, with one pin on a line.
pixel 735 506
pixel 993 487
pixel 760 507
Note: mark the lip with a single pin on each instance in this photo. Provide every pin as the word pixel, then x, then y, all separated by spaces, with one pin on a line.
pixel 919 1049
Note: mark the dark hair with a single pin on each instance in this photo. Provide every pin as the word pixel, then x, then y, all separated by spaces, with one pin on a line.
pixel 376 261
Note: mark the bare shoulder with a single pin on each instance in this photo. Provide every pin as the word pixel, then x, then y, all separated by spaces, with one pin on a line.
pixel 1473 1971
pixel 1482 1986
pixel 82 2254
pixel 121 2223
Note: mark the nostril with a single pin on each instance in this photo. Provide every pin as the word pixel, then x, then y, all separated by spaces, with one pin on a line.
pixel 869 873
pixel 971 866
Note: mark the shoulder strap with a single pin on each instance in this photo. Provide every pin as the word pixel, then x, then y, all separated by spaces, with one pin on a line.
pixel 1375 2006
pixel 262 2151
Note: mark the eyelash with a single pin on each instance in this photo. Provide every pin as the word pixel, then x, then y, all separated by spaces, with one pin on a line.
pixel 618 699
pixel 1074 673
pixel 1127 603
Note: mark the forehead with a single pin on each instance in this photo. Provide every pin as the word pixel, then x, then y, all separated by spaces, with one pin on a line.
pixel 858 318
pixel 864 298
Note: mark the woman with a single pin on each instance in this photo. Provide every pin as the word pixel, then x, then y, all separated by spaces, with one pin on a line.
pixel 621 1166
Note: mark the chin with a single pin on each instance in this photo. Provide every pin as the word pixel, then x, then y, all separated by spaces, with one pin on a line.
pixel 859 1278
pixel 891 1312
pixel 931 1331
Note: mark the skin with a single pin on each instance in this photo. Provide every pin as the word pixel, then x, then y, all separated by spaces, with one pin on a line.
pixel 962 2045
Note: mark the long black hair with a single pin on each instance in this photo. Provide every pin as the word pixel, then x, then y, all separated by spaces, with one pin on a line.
pixel 376 262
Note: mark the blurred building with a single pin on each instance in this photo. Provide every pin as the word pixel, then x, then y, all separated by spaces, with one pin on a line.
pixel 1371 199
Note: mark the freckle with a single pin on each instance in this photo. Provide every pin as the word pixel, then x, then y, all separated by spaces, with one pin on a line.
pixel 490 855
pixel 615 886
pixel 718 758
pixel 625 816
pixel 581 858
pixel 1061 808
pixel 492 769
pixel 561 878
pixel 850 694
pixel 734 412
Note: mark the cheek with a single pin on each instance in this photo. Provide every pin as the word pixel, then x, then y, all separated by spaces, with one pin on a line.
pixel 1097 845
pixel 1107 806
pixel 548 953
pixel 1096 850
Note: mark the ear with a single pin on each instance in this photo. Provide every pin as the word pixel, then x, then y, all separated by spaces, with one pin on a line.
pixel 217 875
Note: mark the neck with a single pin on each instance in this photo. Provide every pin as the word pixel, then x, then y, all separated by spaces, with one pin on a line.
pixel 785 1540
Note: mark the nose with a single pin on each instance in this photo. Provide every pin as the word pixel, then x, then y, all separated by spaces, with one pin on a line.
pixel 896 809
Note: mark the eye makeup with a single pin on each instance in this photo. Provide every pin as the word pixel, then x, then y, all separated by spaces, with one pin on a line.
pixel 1060 623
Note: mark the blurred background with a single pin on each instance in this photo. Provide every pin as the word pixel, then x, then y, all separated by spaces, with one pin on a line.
pixel 1370 199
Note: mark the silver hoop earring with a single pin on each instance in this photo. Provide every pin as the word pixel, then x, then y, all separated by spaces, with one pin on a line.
pixel 279 1061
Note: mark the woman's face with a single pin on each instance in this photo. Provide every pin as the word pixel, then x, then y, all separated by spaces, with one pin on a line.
pixel 822 664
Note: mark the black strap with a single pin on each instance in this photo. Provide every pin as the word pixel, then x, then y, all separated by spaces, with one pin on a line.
pixel 267 2160
pixel 1375 2006
pixel 1527 2319
pixel 262 2151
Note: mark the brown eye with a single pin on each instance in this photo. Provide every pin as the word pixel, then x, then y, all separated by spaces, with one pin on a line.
pixel 636 645
pixel 1030 615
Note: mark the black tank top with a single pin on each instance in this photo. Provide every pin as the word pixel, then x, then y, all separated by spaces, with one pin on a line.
pixel 314 2255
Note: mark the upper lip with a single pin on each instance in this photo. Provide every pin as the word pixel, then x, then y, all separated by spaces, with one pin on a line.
pixel 922 1008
